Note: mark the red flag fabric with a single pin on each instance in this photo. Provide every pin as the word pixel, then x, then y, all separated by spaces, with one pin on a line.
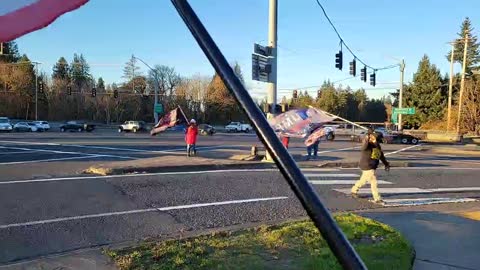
pixel 19 17
pixel 169 120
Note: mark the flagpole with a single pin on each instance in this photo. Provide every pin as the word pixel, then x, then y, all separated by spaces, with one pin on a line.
pixel 184 116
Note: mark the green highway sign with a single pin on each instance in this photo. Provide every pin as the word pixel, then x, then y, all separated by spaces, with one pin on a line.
pixel 404 110
pixel 159 108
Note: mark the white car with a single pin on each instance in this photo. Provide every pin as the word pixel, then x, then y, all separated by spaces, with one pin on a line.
pixel 42 124
pixel 24 126
pixel 238 127
pixel 5 124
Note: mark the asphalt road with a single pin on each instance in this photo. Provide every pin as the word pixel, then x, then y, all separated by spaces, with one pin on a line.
pixel 46 207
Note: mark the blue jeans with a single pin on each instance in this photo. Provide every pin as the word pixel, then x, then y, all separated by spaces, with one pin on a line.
pixel 313 147
pixel 190 149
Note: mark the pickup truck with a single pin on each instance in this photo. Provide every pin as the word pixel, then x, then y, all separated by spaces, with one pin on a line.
pixel 76 126
pixel 132 126
pixel 238 127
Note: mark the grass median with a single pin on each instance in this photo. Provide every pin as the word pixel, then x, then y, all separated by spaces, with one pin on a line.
pixel 292 245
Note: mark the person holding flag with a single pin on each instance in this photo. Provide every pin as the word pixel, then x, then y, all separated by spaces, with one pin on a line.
pixel 191 138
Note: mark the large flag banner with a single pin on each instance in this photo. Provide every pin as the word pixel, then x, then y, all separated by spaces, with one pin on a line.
pixel 317 134
pixel 19 17
pixel 171 119
pixel 298 123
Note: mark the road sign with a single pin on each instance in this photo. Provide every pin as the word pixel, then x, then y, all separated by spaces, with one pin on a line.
pixel 159 108
pixel 260 68
pixel 262 50
pixel 404 110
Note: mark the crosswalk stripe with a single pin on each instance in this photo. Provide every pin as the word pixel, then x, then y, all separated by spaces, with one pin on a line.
pixel 424 201
pixel 411 190
pixel 336 175
pixel 342 182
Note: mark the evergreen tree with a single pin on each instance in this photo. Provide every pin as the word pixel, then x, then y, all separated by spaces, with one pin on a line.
pixel 473 53
pixel 101 84
pixel 9 52
pixel 425 94
pixel 79 71
pixel 61 70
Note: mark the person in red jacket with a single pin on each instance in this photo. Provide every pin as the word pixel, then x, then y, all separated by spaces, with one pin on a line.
pixel 191 138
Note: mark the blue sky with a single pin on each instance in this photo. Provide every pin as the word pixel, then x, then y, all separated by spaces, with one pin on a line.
pixel 108 32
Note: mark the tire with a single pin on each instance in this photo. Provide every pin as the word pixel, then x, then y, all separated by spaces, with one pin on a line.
pixel 404 140
pixel 79 129
pixel 134 130
pixel 247 130
pixel 120 130
pixel 236 130
pixel 414 141
pixel 62 129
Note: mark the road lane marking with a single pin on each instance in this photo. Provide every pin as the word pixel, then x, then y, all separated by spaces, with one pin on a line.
pixel 414 190
pixel 342 182
pixel 62 152
pixel 130 175
pixel 423 201
pixel 137 211
pixel 319 170
pixel 33 143
pixel 334 175
pixel 336 150
pixel 427 168
pixel 46 160
pixel 401 150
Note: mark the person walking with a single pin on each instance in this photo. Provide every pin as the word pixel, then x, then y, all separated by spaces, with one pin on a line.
pixel 371 154
pixel 313 147
pixel 191 138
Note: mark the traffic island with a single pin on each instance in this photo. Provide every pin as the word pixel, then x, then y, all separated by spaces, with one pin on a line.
pixel 292 245
pixel 173 163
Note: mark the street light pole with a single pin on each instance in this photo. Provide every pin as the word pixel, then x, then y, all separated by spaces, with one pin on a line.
pixel 155 87
pixel 272 43
pixel 36 91
pixel 400 98
pixel 462 82
pixel 450 87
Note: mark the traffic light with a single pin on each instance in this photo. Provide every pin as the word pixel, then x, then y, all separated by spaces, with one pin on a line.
pixel 40 87
pixel 363 74
pixel 353 68
pixel 372 79
pixel 115 93
pixel 94 92
pixel 339 60
pixel 319 93
pixel 69 90
pixel 295 94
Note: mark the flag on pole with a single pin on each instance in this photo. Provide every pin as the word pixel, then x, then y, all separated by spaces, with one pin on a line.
pixel 298 123
pixel 170 119
pixel 19 17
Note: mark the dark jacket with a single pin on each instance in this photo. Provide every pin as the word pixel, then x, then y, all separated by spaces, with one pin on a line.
pixel 366 160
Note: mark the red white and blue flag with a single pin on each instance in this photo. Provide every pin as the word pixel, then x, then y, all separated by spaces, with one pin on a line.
pixel 20 17
pixel 299 123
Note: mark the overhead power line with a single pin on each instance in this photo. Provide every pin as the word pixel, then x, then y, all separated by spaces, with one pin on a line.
pixel 343 43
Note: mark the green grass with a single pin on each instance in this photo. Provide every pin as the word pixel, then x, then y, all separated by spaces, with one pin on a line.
pixel 293 245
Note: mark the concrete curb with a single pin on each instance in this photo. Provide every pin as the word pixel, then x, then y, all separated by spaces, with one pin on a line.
pixel 180 168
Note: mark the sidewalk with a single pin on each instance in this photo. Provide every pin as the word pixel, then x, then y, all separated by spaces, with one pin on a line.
pixel 441 241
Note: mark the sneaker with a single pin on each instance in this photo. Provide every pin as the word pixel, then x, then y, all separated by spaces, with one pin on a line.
pixel 354 195
pixel 378 201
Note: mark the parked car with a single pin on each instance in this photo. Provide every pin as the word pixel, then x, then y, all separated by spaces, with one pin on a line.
pixel 5 124
pixel 238 127
pixel 132 126
pixel 206 129
pixel 24 126
pixel 76 126
pixel 42 124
